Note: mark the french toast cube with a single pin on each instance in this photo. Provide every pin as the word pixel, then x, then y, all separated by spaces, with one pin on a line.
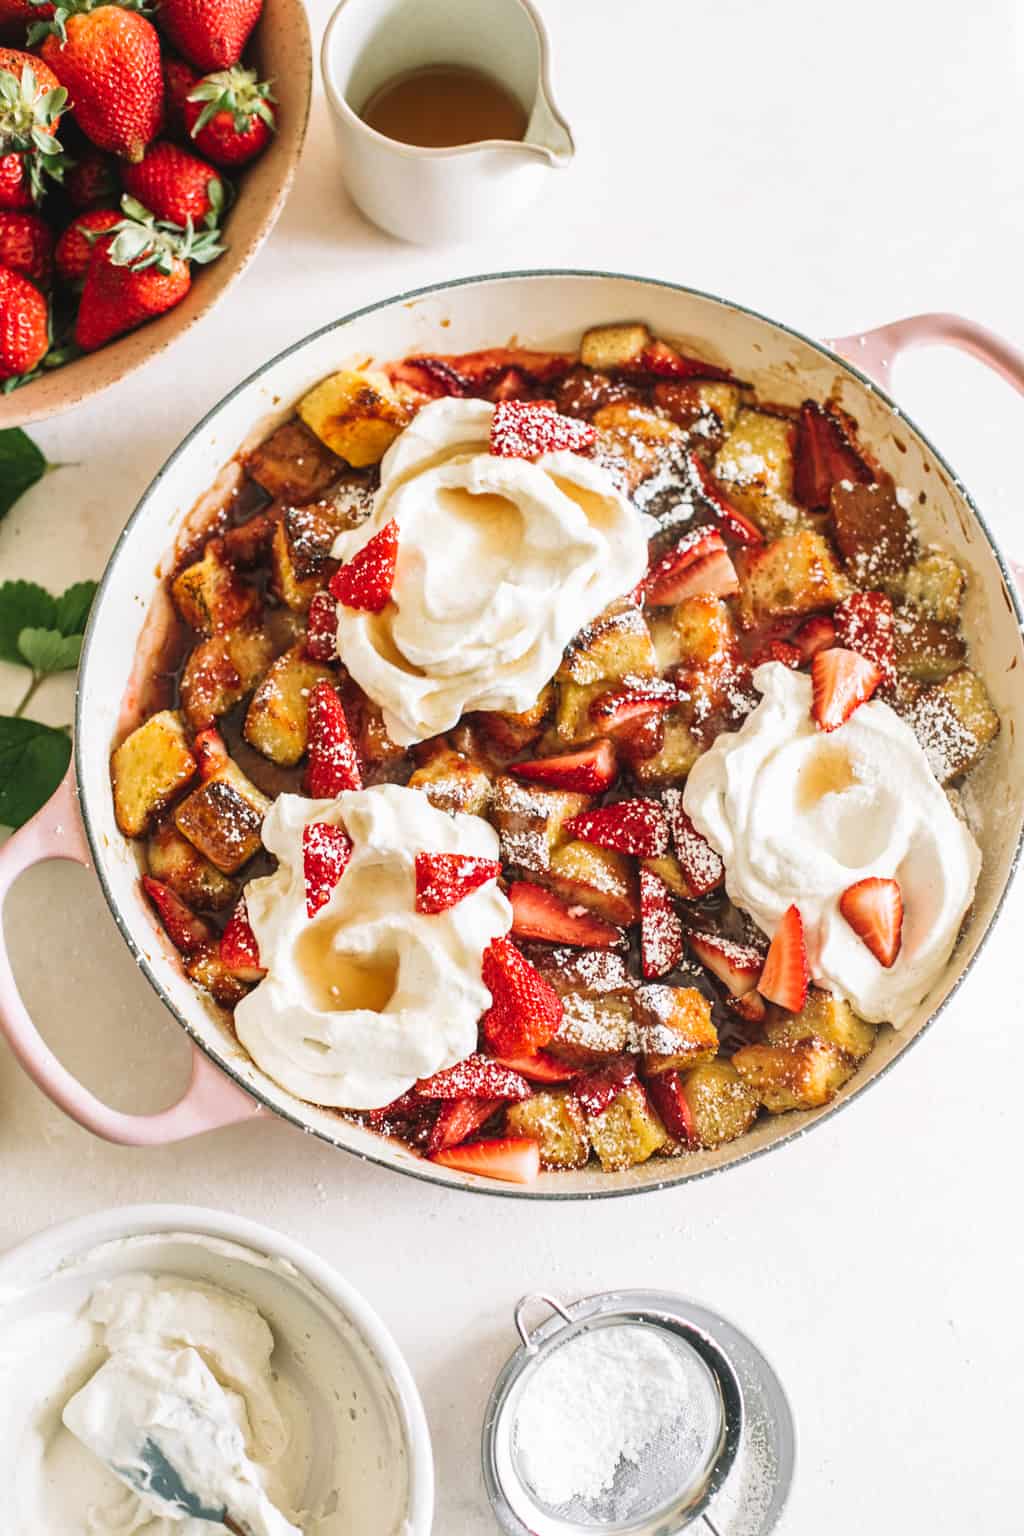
pixel 674 1031
pixel 293 465
pixel 594 973
pixel 935 587
pixel 800 1075
pixel 705 408
pixel 356 414
pixel 608 347
pixel 696 631
pixel 208 971
pixel 529 820
pixel 221 670
pixel 874 533
pixel 755 467
pixel 668 868
pixel 276 722
pixel 148 769
pixel 793 575
pixel 209 595
pixel 826 1018
pixel 722 1106
pixel 598 878
pixel 955 722
pixel 628 1132
pixel 299 555
pixel 615 645
pixel 926 649
pixel 636 442
pixel 223 817
pixel 453 782
pixel 677 755
pixel 513 732
pixel 592 1029
pixel 557 1122
pixel 574 723
pixel 174 861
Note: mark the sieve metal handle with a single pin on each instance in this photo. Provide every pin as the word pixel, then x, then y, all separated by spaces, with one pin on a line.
pixel 520 1311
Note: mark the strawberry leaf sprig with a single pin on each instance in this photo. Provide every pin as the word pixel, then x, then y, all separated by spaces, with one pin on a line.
pixel 142 241
pixel 57 21
pixel 236 90
pixel 27 120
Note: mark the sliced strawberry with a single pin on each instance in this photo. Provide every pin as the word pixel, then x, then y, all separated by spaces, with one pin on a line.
pixel 588 772
pixel 640 738
pixel 661 932
pixel 629 826
pixel 694 546
pixel 538 913
pixel 596 1089
pixel 737 966
pixel 751 1007
pixel 701 865
pixel 333 765
pixel 210 753
pixel 187 932
pixel 458 1119
pixel 478 1077
pixel 666 363
pixel 736 524
pixel 778 650
pixel 322 628
pixel 713 576
pixel 408 1106
pixel 665 1091
pixel 239 951
pixel 541 1067
pixel 526 1010
pixel 522 429
pixel 786 977
pixel 444 879
pixel 637 700
pixel 841 681
pixel 874 910
pixel 817 634
pixel 516 1159
pixel 823 455
pixel 326 851
pixel 365 582
pixel 866 623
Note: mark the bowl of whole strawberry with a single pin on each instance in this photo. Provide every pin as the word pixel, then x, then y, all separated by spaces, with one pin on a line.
pixel 145 154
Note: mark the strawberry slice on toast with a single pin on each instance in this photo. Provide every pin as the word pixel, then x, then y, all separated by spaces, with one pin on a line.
pixel 841 681
pixel 538 913
pixel 866 623
pixel 736 524
pixel 661 932
pixel 333 765
pixel 590 771
pixel 239 951
pixel 186 931
pixel 737 966
pixel 478 1077
pixel 816 634
pixel 786 976
pixel 824 454
pixel 527 429
pixel 322 628
pixel 665 1091
pixel 514 1159
pixel 629 826
pixel 874 910
pixel 365 581
pixel 445 879
pixel 326 850
pixel 702 867
pixel 541 1067
pixel 457 1119
pixel 525 1011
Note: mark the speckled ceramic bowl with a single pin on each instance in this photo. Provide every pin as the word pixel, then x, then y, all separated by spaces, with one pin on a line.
pixel 282 52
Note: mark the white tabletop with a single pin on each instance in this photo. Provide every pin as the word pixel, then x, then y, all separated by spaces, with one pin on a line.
pixel 835 168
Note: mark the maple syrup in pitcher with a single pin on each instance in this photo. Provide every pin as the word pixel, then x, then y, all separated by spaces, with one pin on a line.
pixel 443 105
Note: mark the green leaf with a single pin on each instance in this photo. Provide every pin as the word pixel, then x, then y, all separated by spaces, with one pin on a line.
pixel 21 465
pixel 23 605
pixel 73 607
pixel 47 650
pixel 33 760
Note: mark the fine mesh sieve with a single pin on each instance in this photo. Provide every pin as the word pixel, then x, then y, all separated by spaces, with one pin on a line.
pixel 717 1447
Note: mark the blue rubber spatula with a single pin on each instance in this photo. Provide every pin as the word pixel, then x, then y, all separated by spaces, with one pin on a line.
pixel 159 1419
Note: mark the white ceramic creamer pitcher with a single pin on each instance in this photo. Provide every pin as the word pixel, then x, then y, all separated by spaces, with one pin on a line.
pixel 428 195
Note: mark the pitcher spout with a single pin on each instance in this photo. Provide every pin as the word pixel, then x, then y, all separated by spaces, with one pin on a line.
pixel 547 133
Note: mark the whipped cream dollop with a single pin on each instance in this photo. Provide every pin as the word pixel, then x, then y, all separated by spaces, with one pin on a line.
pixel 799 815
pixel 369 995
pixel 500 562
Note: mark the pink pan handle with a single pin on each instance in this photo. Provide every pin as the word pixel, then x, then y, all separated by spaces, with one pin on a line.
pixel 210 1100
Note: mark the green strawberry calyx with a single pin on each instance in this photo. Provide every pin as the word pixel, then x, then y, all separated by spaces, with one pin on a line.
pixel 141 241
pixel 237 91
pixel 27 119
pixel 64 9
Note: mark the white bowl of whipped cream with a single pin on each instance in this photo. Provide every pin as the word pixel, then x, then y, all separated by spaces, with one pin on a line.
pixel 333 1426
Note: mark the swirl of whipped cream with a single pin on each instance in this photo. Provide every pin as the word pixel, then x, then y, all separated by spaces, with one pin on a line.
pixel 369 995
pixel 500 562
pixel 798 816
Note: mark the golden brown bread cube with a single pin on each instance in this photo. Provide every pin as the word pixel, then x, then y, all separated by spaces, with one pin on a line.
pixel 615 645
pixel 674 1030
pixel 706 408
pixel 925 649
pixel 574 723
pixel 802 1075
pixel 276 722
pixel 598 878
pixel 594 973
pixel 209 595
pixel 754 465
pixel 935 586
pixel 955 722
pixel 722 1107
pixel 453 782
pixel 635 441
pixel 874 533
pixel 668 868
pixel 613 346
pixel 791 576
pixel 299 555
pixel 677 755
pixel 175 862
pixel 592 1029
pixel 696 631
pixel 221 670
pixel 357 415
pixel 208 970
pixel 557 1122
pixel 514 732
pixel 223 817
pixel 293 464
pixel 148 769
pixel 827 1018
pixel 529 820
pixel 628 1132
pixel 582 391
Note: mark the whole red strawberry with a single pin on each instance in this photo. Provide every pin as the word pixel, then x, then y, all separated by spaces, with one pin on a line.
pixel 229 116
pixel 179 79
pixel 210 33
pixel 24 325
pixel 109 60
pixel 31 102
pixel 26 246
pixel 92 179
pixel 74 248
pixel 175 185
